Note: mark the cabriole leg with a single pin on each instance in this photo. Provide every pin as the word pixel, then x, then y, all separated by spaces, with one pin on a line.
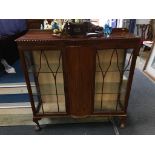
pixel 122 121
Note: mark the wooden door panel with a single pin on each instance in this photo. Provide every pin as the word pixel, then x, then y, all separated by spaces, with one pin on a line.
pixel 79 70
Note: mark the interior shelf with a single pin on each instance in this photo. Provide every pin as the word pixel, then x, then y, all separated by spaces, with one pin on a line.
pixel 49 89
pixel 104 66
pixel 48 107
pixel 45 69
pixel 109 102
pixel 110 87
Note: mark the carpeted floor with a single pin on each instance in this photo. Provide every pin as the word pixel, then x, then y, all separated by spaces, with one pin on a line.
pixel 61 129
pixel 141 109
pixel 141 116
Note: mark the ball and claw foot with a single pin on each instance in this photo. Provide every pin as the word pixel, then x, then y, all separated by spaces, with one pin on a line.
pixel 122 122
pixel 37 127
pixel 122 125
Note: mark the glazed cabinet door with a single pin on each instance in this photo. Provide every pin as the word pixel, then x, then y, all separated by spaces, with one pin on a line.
pixel 46 78
pixel 111 80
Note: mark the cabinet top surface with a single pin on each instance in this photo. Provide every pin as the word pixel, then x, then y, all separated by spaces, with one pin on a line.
pixel 38 35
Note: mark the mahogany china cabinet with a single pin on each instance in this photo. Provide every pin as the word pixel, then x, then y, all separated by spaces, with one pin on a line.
pixel 78 76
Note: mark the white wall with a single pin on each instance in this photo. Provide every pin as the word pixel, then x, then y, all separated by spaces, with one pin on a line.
pixel 142 21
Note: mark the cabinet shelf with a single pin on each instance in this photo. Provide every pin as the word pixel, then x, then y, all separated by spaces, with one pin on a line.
pixel 44 68
pixel 105 65
pixel 45 72
pixel 48 107
pixel 48 89
pixel 106 106
pixel 127 70
pixel 110 93
pixel 110 87
pixel 37 94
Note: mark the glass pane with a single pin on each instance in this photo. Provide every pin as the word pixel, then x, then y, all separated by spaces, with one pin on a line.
pixel 46 76
pixel 111 77
pixel 50 103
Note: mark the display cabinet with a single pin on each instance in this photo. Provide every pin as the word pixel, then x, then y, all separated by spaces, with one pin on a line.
pixel 78 76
